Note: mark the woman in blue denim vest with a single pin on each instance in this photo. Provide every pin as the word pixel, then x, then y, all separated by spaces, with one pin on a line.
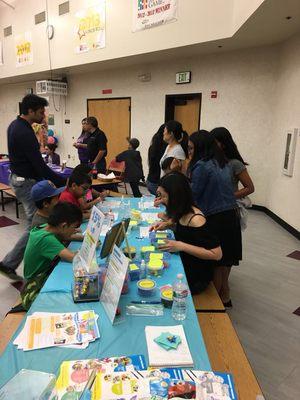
pixel 211 182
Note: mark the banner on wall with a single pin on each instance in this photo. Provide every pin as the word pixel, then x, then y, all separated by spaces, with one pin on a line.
pixel 150 13
pixel 23 49
pixel 90 28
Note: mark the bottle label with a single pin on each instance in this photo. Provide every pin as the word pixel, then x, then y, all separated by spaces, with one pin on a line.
pixel 180 295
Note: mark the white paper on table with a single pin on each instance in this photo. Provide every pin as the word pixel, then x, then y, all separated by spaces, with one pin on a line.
pixel 45 339
pixel 144 231
pixel 110 203
pixel 149 204
pixel 109 176
pixel 159 357
pixel 149 217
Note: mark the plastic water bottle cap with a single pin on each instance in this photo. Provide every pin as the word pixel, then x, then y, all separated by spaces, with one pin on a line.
pixel 180 276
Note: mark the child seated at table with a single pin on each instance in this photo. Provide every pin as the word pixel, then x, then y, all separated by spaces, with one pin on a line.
pixel 76 190
pixel 45 196
pixel 92 196
pixel 51 157
pixel 133 166
pixel 198 247
pixel 45 247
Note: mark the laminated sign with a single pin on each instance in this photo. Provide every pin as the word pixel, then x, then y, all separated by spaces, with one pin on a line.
pixel 150 13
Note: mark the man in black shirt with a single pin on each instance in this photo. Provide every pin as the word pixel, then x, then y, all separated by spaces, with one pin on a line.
pixel 27 167
pixel 96 145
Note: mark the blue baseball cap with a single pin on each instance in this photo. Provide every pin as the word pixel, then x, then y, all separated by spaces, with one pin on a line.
pixel 44 189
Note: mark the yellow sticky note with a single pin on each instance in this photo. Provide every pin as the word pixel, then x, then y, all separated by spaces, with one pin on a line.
pixel 147 248
pixel 133 223
pixel 161 236
pixel 156 256
pixel 133 267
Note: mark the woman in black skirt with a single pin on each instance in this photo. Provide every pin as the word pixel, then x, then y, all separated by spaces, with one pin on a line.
pixel 212 189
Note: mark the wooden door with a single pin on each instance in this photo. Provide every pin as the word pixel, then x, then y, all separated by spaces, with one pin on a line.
pixel 113 117
pixel 188 115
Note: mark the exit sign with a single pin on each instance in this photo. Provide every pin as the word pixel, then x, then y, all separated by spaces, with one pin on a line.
pixel 183 77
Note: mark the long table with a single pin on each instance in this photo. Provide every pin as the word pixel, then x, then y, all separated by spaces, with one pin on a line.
pixel 5 171
pixel 126 338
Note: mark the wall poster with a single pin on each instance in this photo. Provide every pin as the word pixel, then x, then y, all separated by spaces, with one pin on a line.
pixel 23 49
pixel 90 28
pixel 150 13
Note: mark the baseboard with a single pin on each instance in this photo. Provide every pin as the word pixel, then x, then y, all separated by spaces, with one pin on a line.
pixel 293 231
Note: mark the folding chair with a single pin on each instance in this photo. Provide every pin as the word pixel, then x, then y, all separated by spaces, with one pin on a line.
pixel 118 168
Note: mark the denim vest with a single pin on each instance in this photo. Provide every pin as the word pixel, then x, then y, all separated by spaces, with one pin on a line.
pixel 212 187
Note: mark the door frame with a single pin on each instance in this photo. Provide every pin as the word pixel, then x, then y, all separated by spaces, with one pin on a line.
pixel 185 96
pixel 111 98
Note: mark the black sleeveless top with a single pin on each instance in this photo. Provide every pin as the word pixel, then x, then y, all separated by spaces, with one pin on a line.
pixel 199 272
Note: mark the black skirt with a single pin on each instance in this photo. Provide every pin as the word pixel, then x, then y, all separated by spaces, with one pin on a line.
pixel 226 226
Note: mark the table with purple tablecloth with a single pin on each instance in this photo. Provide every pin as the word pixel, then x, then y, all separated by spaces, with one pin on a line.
pixel 5 171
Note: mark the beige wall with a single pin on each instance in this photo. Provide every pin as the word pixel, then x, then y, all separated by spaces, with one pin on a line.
pixel 257 100
pixel 284 191
pixel 197 22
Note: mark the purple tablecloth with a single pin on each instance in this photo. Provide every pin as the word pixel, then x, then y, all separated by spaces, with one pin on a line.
pixel 5 171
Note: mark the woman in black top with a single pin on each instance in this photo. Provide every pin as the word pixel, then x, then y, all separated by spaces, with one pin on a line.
pixel 155 153
pixel 198 247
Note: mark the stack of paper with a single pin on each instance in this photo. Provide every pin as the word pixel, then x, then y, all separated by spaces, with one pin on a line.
pixel 109 176
pixel 44 329
pixel 74 375
pixel 159 357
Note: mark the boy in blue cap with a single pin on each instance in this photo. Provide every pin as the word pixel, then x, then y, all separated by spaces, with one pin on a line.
pixel 45 196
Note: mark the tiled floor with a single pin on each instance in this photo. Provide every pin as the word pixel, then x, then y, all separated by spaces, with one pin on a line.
pixel 265 292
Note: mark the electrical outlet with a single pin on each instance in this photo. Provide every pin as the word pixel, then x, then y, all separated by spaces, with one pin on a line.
pixel 69 156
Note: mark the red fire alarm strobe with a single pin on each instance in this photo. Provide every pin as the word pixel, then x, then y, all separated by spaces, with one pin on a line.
pixel 213 94
pixel 107 91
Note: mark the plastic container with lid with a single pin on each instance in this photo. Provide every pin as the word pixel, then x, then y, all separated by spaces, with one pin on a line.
pixel 146 287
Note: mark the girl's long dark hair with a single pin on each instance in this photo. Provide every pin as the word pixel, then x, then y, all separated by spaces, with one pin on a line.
pixel 206 148
pixel 223 136
pixel 157 146
pixel 180 195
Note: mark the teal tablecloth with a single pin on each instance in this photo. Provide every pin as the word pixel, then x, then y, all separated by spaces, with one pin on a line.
pixel 127 338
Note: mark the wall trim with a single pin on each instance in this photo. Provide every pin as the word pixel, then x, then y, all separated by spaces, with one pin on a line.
pixel 293 231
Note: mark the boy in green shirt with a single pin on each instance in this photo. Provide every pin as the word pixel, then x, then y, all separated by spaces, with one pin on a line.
pixel 45 246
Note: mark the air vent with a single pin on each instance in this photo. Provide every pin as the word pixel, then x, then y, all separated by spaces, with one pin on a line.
pixel 7 31
pixel 63 8
pixel 39 18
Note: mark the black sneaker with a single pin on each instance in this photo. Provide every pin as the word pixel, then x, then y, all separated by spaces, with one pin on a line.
pixel 9 273
pixel 227 304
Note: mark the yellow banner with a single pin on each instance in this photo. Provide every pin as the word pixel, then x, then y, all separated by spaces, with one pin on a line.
pixel 90 28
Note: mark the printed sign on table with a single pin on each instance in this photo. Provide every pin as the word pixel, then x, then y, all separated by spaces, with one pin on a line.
pixel 114 281
pixel 91 237
pixel 90 28
pixel 150 13
pixel 23 49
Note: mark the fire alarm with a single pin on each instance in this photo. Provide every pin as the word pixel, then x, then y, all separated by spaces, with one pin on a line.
pixel 213 94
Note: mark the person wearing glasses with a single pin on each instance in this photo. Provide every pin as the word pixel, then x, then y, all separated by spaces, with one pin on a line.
pixel 77 187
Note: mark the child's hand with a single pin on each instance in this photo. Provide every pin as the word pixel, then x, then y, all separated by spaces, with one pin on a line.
pixel 159 226
pixel 157 201
pixel 172 246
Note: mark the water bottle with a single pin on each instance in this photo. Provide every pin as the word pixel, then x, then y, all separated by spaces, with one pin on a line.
pixel 180 292
pixel 143 270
